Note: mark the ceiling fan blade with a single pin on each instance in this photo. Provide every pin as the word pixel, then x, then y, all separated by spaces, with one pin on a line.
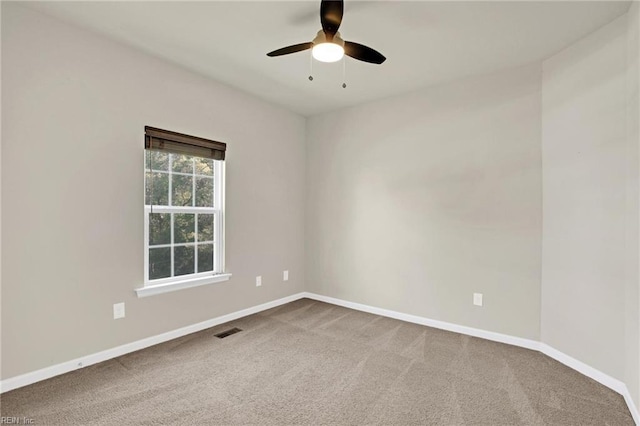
pixel 363 53
pixel 291 49
pixel 331 12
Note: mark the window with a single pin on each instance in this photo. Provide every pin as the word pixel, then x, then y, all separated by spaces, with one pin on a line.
pixel 183 211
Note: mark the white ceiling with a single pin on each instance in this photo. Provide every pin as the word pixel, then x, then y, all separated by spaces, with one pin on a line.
pixel 425 42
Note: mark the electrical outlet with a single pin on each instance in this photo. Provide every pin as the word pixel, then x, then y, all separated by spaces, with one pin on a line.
pixel 477 299
pixel 118 310
pixel 285 276
pixel 258 281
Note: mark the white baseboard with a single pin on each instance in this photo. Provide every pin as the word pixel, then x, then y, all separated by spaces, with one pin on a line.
pixel 583 368
pixel 632 406
pixel 75 364
pixel 570 362
pixel 65 367
pixel 470 331
pixel 597 375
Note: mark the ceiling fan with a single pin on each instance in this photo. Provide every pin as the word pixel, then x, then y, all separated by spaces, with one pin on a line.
pixel 328 46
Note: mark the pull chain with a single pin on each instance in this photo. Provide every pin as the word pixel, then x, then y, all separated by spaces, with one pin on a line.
pixel 344 72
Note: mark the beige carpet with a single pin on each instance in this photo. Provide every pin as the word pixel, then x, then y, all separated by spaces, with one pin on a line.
pixel 313 363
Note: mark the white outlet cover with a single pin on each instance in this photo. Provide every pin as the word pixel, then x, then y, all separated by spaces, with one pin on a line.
pixel 258 281
pixel 285 276
pixel 477 299
pixel 118 310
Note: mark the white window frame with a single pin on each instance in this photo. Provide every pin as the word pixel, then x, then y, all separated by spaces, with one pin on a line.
pixel 163 285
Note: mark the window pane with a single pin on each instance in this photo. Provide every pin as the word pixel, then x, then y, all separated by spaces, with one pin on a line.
pixel 157 189
pixel 205 257
pixel 182 163
pixel 159 263
pixel 184 258
pixel 204 192
pixel 159 228
pixel 205 227
pixel 204 166
pixel 183 228
pixel 182 194
pixel 156 160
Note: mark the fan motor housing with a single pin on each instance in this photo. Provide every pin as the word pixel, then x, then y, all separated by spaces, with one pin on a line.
pixel 321 37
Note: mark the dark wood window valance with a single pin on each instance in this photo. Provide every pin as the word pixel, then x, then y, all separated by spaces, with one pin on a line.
pixel 178 143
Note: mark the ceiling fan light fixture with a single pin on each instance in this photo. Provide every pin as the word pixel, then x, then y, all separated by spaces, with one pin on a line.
pixel 327 52
pixel 328 46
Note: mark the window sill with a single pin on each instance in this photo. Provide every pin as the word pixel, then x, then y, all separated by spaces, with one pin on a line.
pixel 152 290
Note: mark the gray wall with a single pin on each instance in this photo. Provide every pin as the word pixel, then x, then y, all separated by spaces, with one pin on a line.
pixel 416 202
pixel 584 143
pixel 74 107
pixel 632 287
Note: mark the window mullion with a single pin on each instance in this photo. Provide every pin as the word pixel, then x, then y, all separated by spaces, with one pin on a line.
pixel 146 246
pixel 170 180
pixel 180 209
pixel 193 183
pixel 172 247
pixel 217 200
pixel 170 198
pixel 195 238
pixel 195 219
